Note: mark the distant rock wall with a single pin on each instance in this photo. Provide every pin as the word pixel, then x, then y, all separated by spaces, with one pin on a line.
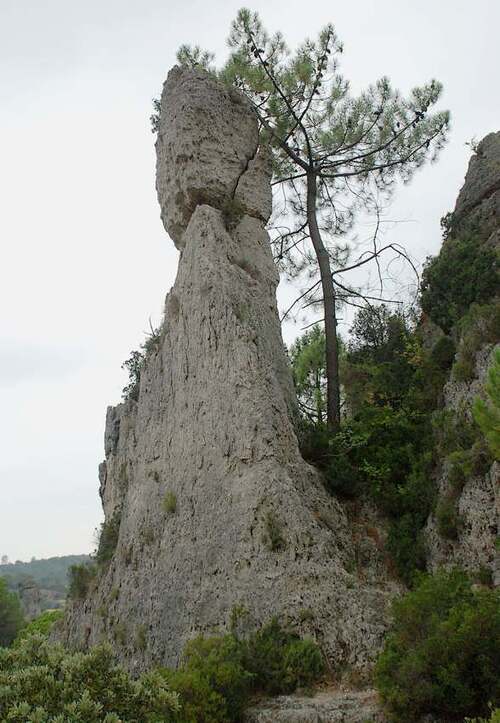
pixel 477 211
pixel 247 524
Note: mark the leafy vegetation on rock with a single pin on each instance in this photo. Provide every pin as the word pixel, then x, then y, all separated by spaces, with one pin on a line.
pixel 80 577
pixel 108 538
pixel 442 656
pixel 135 363
pixel 42 625
pixel 487 413
pixel 465 272
pixel 385 448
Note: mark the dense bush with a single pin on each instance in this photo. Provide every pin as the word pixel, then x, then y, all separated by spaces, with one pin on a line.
pixel 108 538
pixel 464 272
pixel 442 656
pixel 80 577
pixel 135 363
pixel 42 683
pixel 494 718
pixel 11 616
pixel 279 661
pixel 41 625
pixel 487 413
pixel 219 674
pixel 384 449
pixel 212 682
pixel 481 325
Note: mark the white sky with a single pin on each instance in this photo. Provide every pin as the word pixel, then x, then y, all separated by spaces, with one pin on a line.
pixel 84 257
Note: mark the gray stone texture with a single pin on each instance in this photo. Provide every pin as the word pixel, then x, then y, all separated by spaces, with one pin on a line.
pixel 213 425
pixel 477 211
pixel 478 203
pixel 335 706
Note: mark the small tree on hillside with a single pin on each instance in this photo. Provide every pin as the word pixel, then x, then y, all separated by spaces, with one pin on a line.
pixel 487 414
pixel 308 358
pixel 331 151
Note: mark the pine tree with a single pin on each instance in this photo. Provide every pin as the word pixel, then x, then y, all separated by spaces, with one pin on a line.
pixel 331 151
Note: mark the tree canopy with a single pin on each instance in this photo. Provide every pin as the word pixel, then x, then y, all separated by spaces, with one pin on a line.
pixel 333 153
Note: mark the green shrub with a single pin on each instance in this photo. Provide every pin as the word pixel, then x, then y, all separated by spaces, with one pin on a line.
pixel 447 518
pixel 443 352
pixel 80 577
pixel 233 211
pixel 135 363
pixel 406 546
pixel 460 468
pixel 279 660
pixel 442 655
pixel 108 538
pixel 212 682
pixel 170 503
pixel 42 625
pixel 453 431
pixel 487 414
pixel 484 575
pixel 141 637
pixel 273 532
pixel 43 683
pixel 494 718
pixel 219 674
pixel 465 271
pixel 480 326
pixel 303 663
pixel 11 616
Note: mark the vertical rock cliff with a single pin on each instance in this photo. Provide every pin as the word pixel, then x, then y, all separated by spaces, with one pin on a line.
pixel 477 215
pixel 216 509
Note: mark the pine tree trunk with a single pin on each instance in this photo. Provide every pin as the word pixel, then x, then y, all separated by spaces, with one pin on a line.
pixel 329 303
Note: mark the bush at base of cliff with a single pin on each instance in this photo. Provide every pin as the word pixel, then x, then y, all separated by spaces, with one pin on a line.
pixel 219 674
pixel 212 682
pixel 43 683
pixel 280 661
pixel 42 625
pixel 442 656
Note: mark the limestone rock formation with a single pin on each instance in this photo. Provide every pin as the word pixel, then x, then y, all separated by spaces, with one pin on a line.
pixel 217 510
pixel 477 211
pixel 478 203
pixel 335 706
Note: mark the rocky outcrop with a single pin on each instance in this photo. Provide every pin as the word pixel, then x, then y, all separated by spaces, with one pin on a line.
pixel 217 510
pixel 335 706
pixel 478 505
pixel 477 211
pixel 478 203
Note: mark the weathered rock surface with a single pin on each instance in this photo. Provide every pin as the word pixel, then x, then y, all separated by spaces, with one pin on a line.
pixel 212 428
pixel 325 707
pixel 479 502
pixel 478 203
pixel 478 211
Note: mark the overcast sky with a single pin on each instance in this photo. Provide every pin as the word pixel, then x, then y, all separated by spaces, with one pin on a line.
pixel 84 257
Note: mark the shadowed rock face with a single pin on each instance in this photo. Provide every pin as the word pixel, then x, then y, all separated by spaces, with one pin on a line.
pixel 212 428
